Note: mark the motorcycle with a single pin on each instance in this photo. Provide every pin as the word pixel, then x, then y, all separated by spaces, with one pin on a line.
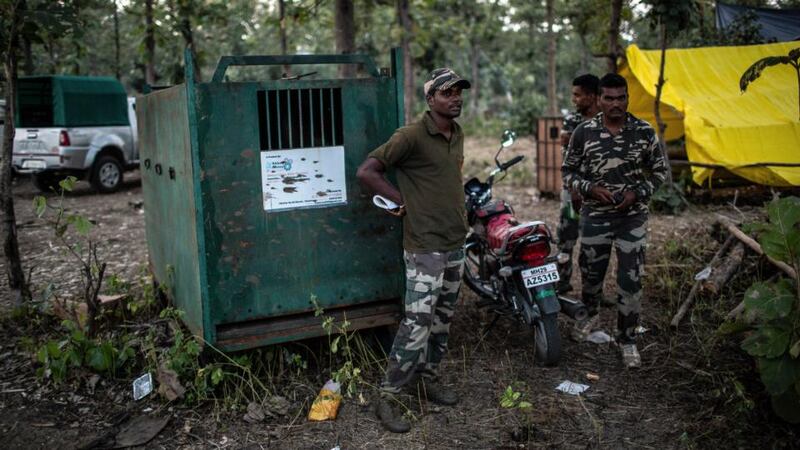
pixel 510 266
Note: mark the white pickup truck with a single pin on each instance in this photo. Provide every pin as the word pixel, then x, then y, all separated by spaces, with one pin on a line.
pixel 74 125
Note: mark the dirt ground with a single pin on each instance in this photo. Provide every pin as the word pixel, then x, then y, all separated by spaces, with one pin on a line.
pixel 689 393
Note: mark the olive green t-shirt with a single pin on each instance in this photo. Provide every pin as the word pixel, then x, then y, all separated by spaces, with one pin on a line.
pixel 428 169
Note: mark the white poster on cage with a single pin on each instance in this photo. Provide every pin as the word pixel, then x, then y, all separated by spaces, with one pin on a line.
pixel 303 178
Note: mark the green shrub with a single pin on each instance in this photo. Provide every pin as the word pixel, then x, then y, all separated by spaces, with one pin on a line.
pixel 773 309
pixel 76 350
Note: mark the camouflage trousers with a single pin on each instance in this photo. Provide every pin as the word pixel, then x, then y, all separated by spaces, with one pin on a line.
pixel 432 283
pixel 627 234
pixel 567 233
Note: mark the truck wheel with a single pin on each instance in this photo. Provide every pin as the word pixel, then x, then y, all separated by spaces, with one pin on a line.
pixel 46 182
pixel 106 174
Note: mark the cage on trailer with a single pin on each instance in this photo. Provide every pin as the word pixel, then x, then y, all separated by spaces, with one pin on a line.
pixel 252 203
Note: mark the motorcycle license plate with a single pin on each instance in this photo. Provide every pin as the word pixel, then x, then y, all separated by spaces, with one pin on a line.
pixel 537 276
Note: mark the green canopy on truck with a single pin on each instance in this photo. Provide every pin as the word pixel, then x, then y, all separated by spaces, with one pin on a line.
pixel 70 101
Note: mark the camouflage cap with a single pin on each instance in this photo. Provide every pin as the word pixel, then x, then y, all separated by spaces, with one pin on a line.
pixel 443 79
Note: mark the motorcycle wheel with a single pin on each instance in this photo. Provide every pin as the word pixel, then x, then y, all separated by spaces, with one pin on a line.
pixel 547 340
pixel 472 272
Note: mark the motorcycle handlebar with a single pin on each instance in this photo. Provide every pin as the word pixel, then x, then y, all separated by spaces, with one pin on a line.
pixel 515 160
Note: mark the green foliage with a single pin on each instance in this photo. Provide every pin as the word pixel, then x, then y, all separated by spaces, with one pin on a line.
pixel 774 336
pixel 149 293
pixel 780 238
pixel 33 20
pixel 511 399
pixel 590 20
pixel 675 15
pixel 83 251
pixel 116 285
pixel 75 350
pixel 182 356
pixel 349 374
pixel 669 198
pixel 770 301
pixel 744 30
pixel 754 71
pixel 202 380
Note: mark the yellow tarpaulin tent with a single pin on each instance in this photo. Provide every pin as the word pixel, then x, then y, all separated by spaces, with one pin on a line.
pixel 755 134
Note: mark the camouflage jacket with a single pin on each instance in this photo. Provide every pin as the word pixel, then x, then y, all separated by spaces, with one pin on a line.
pixel 629 161
pixel 571 121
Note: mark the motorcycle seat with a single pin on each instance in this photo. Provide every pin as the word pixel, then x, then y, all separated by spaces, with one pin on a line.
pixel 503 231
pixel 493 209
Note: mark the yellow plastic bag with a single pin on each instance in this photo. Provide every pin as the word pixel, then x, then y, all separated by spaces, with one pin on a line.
pixel 326 405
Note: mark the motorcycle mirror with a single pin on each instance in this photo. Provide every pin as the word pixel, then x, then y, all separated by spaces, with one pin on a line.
pixel 509 136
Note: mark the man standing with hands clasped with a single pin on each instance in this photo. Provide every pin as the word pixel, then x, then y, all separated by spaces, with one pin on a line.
pixel 427 157
pixel 615 162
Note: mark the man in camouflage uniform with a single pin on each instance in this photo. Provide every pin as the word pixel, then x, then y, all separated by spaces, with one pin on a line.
pixel 427 157
pixel 584 98
pixel 614 160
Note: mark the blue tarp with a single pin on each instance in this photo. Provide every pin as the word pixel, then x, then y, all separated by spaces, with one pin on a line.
pixel 781 25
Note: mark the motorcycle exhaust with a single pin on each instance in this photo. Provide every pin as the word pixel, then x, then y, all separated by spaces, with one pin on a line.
pixel 573 308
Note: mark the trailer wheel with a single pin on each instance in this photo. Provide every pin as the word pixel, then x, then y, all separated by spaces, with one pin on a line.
pixel 106 174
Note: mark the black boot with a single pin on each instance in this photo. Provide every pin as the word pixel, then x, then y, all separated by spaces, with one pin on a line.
pixel 390 418
pixel 627 340
pixel 626 327
pixel 437 393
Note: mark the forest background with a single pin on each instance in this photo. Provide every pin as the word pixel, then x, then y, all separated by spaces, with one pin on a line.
pixel 520 55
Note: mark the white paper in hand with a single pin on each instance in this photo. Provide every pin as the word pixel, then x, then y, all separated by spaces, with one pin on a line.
pixel 384 203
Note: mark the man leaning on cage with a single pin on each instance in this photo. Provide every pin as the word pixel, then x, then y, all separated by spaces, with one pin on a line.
pixel 427 157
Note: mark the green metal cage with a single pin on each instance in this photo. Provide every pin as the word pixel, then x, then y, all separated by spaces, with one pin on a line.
pixel 252 206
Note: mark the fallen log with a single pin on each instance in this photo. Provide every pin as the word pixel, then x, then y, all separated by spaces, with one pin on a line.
pixel 750 242
pixel 722 273
pixel 684 308
pixel 735 311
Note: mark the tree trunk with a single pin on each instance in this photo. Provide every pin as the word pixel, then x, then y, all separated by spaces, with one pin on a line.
pixel 585 54
pixel 474 62
pixel 613 35
pixel 49 45
pixel 659 87
pixel 345 31
pixel 117 68
pixel 404 17
pixel 701 15
pixel 76 43
pixel 16 276
pixel 28 68
pixel 186 9
pixel 149 44
pixel 287 70
pixel 552 103
pixel 797 69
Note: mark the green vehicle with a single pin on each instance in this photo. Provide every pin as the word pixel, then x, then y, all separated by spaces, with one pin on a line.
pixel 74 125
